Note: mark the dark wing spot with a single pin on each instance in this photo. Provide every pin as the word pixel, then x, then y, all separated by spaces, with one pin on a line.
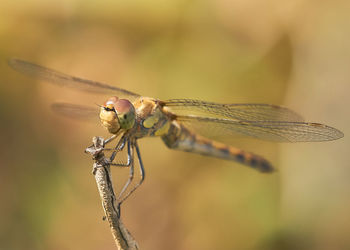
pixel 316 124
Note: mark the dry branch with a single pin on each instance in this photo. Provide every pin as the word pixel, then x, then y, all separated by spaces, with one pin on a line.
pixel 101 171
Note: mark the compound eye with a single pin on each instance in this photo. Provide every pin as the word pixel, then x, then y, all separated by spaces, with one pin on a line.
pixel 126 113
pixel 123 106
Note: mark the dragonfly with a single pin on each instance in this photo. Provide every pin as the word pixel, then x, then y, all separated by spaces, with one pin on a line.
pixel 183 124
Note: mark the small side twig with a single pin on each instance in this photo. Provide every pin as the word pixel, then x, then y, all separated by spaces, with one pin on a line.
pixel 101 171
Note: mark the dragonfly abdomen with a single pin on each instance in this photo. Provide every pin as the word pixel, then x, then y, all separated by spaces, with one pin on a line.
pixel 180 138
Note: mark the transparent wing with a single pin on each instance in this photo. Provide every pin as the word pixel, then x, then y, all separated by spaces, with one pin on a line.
pixel 76 111
pixel 242 112
pixel 279 131
pixel 58 78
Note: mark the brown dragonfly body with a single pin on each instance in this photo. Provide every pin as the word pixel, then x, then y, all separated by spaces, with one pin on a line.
pixel 136 117
pixel 153 118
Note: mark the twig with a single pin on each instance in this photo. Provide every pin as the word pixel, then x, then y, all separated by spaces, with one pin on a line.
pixel 101 171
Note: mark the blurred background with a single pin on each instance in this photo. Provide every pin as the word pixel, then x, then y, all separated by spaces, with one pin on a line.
pixel 291 53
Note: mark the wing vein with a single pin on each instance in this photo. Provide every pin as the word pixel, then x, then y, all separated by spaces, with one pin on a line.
pixel 62 79
pixel 280 131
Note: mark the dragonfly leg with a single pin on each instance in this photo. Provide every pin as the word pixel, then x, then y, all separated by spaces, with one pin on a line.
pixel 114 150
pixel 142 174
pixel 109 139
pixel 142 169
pixel 120 145
pixel 131 173
pixel 121 164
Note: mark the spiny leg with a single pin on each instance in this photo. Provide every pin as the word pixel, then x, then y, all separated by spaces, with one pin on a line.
pixel 109 139
pixel 129 159
pixel 120 145
pixel 131 164
pixel 131 145
pixel 142 174
pixel 142 169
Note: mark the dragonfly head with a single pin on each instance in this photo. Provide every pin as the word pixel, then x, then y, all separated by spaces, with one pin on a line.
pixel 117 114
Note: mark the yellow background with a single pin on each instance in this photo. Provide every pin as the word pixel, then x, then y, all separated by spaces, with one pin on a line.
pixel 293 53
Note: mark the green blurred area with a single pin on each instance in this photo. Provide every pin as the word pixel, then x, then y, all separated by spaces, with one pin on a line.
pixel 295 54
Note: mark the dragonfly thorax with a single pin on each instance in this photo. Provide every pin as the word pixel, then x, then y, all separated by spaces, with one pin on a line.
pixel 151 119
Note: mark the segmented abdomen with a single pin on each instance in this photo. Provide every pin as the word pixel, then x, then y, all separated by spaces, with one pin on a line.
pixel 180 138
